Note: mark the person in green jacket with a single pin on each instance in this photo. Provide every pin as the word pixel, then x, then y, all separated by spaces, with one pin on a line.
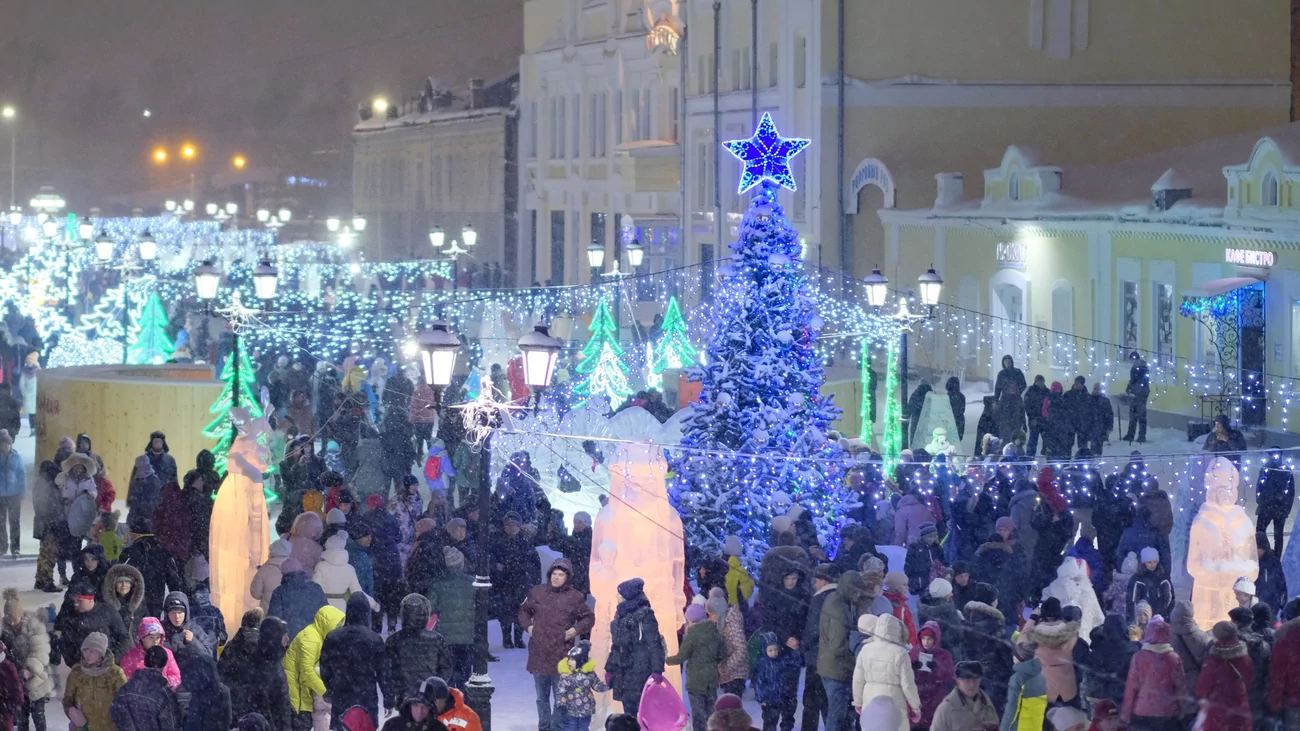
pixel 452 597
pixel 1026 693
pixel 835 656
pixel 701 651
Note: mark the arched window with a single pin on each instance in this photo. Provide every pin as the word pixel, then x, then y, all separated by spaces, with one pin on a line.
pixel 1013 187
pixel 1270 190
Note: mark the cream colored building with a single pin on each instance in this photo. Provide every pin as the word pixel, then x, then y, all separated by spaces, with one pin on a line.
pixel 440 159
pixel 600 123
pixel 932 86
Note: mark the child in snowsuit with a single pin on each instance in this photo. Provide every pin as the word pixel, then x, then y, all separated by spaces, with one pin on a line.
pixel 776 678
pixel 578 685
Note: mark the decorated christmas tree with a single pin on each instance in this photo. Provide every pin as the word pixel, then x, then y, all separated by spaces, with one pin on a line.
pixel 151 344
pixel 673 350
pixel 105 321
pixel 759 426
pixel 601 370
pixel 240 379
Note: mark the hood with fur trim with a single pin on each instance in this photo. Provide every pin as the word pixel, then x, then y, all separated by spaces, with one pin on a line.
pixel 982 608
pixel 1229 651
pixel 134 599
pixel 1055 635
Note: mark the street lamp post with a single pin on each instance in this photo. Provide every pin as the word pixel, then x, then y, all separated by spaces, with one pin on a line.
pixel 10 115
pixel 877 287
pixel 207 279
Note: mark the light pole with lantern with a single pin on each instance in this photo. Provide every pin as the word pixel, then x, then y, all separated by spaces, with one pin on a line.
pixel 931 285
pixel 596 259
pixel 438 237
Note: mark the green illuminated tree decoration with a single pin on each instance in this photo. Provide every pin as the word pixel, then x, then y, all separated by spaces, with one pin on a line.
pixel 891 444
pixel 239 390
pixel 151 344
pixel 867 407
pixel 673 350
pixel 602 372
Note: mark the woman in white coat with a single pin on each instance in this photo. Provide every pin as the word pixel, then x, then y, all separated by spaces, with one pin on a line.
pixel 336 576
pixel 884 667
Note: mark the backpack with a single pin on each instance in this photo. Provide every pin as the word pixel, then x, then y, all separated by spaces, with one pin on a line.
pixel 82 514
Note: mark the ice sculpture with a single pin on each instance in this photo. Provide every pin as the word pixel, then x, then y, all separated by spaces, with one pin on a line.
pixel 637 535
pixel 1221 547
pixel 936 413
pixel 240 537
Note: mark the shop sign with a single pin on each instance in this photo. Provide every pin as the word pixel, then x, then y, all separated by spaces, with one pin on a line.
pixel 1012 254
pixel 1248 257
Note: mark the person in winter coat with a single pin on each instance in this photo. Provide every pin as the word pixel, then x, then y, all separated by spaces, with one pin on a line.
pixel 1055 639
pixel 201 484
pixel 206 616
pixel 1151 585
pixel 414 652
pixel 915 404
pixel 386 560
pixel 576 694
pixel 1103 418
pixel 554 615
pixel 835 651
pixel 783 589
pixel 1035 395
pixel 1270 584
pixel 884 667
pixel 895 591
pixel 1058 425
pixel 150 634
pixel 1109 655
pixel 84 616
pixel 92 566
pixel 1190 641
pixel 1274 496
pixel 335 575
pixel 304 540
pixel 258 684
pixel 270 574
pixel 306 689
pixel 1026 706
pixel 1226 440
pixel 238 656
pixel 452 599
pixel 1001 562
pixel 13 490
pixel 353 663
pixel 701 651
pixel 155 565
pixel 937 607
pixel 204 700
pixel 824 584
pixel 967 707
pixel 1054 523
pixel 12 696
pixel 123 591
pixel 147 702
pixel 972 521
pixel 181 631
pixel 637 648
pixel 739 584
pixel 957 401
pixel 934 670
pixel 1222 688
pixel 145 491
pixel 27 643
pixel 1284 668
pixel 164 465
pixel 1024 499
pixel 776 682
pixel 297 599
pixel 1079 414
pixel 50 518
pixel 1009 390
pixel 984 640
pixel 909 516
pixel 987 424
pixel 1141 535
pixel 734 670
pixel 1156 694
pixel 94 681
pixel 1259 649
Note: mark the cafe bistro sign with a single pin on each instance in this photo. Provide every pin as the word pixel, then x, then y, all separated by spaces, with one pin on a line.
pixel 1249 257
pixel 1013 254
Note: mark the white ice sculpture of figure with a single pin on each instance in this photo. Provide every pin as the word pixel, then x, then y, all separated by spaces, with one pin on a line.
pixel 939 443
pixel 240 536
pixel 637 535
pixel 1221 547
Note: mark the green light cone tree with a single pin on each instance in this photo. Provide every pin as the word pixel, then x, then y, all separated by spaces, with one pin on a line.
pixel 239 378
pixel 674 349
pixel 603 374
pixel 151 344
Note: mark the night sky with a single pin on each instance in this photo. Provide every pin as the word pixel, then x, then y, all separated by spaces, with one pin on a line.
pixel 276 80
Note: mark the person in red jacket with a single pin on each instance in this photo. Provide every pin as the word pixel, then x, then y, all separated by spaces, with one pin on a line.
pixel 555 615
pixel 1221 689
pixel 11 691
pixel 1155 693
pixel 1284 669
pixel 935 671
pixel 896 593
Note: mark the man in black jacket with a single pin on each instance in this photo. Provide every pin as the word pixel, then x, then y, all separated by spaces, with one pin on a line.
pixel 1138 390
pixel 353 662
pixel 814 693
pixel 82 616
pixel 414 653
pixel 153 562
pixel 1079 412
pixel 1035 395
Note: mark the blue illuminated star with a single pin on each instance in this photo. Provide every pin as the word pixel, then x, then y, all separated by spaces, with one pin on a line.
pixel 766 156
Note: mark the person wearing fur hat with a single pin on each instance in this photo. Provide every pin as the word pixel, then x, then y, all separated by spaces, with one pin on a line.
pixel 150 634
pixel 269 575
pixel 701 651
pixel 1222 689
pixel 93 683
pixel 739 584
pixel 240 653
pixel 416 652
pixel 967 707
pixel 1002 562
pixel 145 490
pixel 984 640
pixel 452 598
pixel 28 644
pixel 164 465
pixel 1150 584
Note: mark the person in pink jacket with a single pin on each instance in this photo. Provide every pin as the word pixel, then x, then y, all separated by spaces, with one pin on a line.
pixel 909 516
pixel 150 634
pixel 1156 694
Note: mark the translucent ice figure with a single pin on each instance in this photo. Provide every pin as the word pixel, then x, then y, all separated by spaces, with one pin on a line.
pixel 1221 547
pixel 240 537
pixel 637 535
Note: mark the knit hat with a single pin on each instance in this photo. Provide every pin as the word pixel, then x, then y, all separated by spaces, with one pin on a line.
pixel 781 523
pixel 97 641
pixel 374 502
pixel 695 613
pixel 1064 718
pixel 940 588
pixel 928 528
pixel 335 517
pixel 827 572
pixel 149 626
pixel 1051 610
pixel 5 439
pixel 143 468
pixel 424 525
pixel 1224 631
pixel 871 566
pixel 1149 554
pixel 512 517
pixel 1004 522
pixel 252 721
pixel 960 567
pixel 66 443
pixel 1244 585
pixel 579 652
pixel 291 565
pixel 337 542
pixel 731 546
pixel 454 559
pixel 155 657
pixel 727 702
pixel 346 496
pixel 631 588
pixel 82 588
pixel 896 581
pixel 717 606
pixel 969 670
pixel 281 547
pixel 583 517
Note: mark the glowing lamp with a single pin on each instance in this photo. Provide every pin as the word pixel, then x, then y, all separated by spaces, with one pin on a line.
pixel 285 214
pixel 346 238
pixel 469 236
pixel 596 255
pixel 148 247
pixel 541 351
pixel 877 288
pixel 15 216
pixel 358 223
pixel 207 277
pixel 188 205
pixel 85 229
pixel 437 237
pixel 50 228
pixel 232 208
pixel 263 215
pixel 265 279
pixel 635 254
pixel 332 225
pixel 211 208
pixel 438 350
pixel 170 205
pixel 930 284
pixel 104 247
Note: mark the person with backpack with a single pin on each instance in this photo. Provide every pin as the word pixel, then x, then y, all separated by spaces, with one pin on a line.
pixel 637 648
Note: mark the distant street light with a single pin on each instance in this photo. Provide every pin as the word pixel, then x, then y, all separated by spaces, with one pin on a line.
pixel 189 151
pixel 239 162
pixel 380 105
pixel 160 155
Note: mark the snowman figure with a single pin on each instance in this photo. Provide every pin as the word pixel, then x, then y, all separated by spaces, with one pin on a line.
pixel 1221 547
pixel 939 443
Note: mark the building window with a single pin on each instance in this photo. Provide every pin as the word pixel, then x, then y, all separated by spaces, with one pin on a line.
pixel 560 128
pixel 1128 323
pixel 1207 343
pixel 1013 187
pixel 674 116
pixel 618 117
pixel 532 130
pixel 800 61
pixel 644 122
pixel 557 248
pixel 1063 326
pixel 737 62
pixel 1163 305
pixel 575 148
pixel 773 70
pixel 596 124
pixel 1270 190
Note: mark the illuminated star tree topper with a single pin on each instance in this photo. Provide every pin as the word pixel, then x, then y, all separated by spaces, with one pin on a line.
pixel 766 156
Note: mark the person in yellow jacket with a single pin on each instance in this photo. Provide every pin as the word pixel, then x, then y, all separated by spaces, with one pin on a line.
pixel 306 689
pixel 739 584
pixel 1027 692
